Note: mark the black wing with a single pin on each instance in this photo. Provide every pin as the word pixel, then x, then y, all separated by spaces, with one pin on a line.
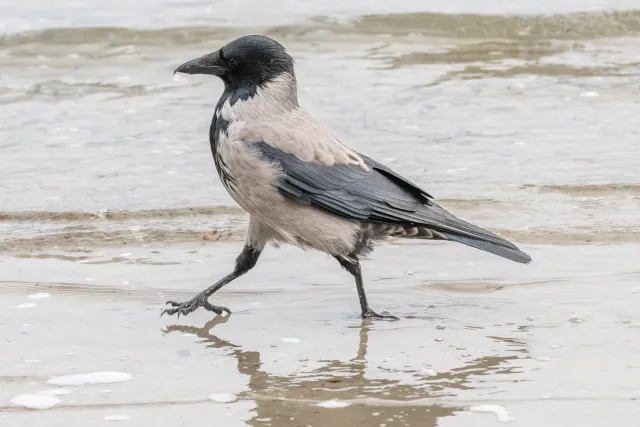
pixel 378 195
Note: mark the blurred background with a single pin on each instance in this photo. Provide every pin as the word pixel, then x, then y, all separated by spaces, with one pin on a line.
pixel 520 116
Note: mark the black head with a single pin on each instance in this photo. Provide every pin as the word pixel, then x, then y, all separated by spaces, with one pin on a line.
pixel 249 60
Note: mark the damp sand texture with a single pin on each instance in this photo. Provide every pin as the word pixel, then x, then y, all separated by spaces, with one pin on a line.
pixel 519 117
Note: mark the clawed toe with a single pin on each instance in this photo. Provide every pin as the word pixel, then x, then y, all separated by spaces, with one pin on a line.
pixel 192 305
pixel 216 309
pixel 370 314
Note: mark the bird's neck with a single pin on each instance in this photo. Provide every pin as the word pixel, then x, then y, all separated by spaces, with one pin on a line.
pixel 281 91
pixel 251 103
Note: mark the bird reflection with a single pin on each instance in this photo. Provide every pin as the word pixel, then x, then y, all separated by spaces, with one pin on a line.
pixel 289 401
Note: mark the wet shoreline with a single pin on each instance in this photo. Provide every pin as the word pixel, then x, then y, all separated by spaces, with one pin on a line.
pixel 499 345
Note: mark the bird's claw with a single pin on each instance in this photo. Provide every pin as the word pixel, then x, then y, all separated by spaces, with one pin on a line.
pixel 370 314
pixel 192 305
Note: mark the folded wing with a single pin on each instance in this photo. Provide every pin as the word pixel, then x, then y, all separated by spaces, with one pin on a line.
pixel 371 192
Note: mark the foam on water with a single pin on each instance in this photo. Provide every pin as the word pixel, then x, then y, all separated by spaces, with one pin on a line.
pixel 291 340
pixel 333 404
pixel 40 295
pixel 91 378
pixel 35 401
pixel 26 305
pixel 223 397
pixel 500 411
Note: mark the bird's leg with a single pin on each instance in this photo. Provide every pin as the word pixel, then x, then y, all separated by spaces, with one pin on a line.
pixel 245 262
pixel 352 265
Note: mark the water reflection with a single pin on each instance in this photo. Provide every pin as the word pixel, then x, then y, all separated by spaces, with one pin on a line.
pixel 291 400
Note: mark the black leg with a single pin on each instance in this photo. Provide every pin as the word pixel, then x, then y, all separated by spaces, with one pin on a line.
pixel 245 262
pixel 353 267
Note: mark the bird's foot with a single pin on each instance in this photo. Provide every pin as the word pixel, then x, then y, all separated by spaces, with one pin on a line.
pixel 370 314
pixel 198 301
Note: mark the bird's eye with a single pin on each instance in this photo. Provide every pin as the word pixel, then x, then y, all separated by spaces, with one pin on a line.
pixel 232 63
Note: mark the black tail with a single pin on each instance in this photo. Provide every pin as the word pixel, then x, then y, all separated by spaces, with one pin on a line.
pixel 458 230
pixel 491 247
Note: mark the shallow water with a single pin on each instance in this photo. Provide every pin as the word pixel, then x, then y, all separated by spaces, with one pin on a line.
pixel 521 118
pixel 554 344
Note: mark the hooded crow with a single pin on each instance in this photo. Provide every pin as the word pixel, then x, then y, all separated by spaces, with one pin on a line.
pixel 300 184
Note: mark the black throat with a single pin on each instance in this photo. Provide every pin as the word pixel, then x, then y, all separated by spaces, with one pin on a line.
pixel 219 125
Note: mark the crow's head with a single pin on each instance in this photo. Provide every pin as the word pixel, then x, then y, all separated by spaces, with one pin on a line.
pixel 246 61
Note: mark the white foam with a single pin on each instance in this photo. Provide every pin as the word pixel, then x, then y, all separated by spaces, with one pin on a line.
pixel 35 401
pixel 40 295
pixel 223 397
pixel 26 305
pixel 429 372
pixel 91 378
pixel 54 392
pixel 117 417
pixel 292 340
pixel 590 94
pixel 333 404
pixel 500 411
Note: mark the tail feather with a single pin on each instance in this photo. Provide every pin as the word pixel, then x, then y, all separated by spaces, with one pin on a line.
pixel 455 229
pixel 437 218
pixel 491 247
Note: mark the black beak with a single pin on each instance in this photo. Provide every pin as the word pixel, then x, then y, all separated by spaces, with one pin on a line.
pixel 207 64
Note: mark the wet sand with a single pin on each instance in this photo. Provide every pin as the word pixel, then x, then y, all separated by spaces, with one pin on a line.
pixel 555 343
pixel 519 117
